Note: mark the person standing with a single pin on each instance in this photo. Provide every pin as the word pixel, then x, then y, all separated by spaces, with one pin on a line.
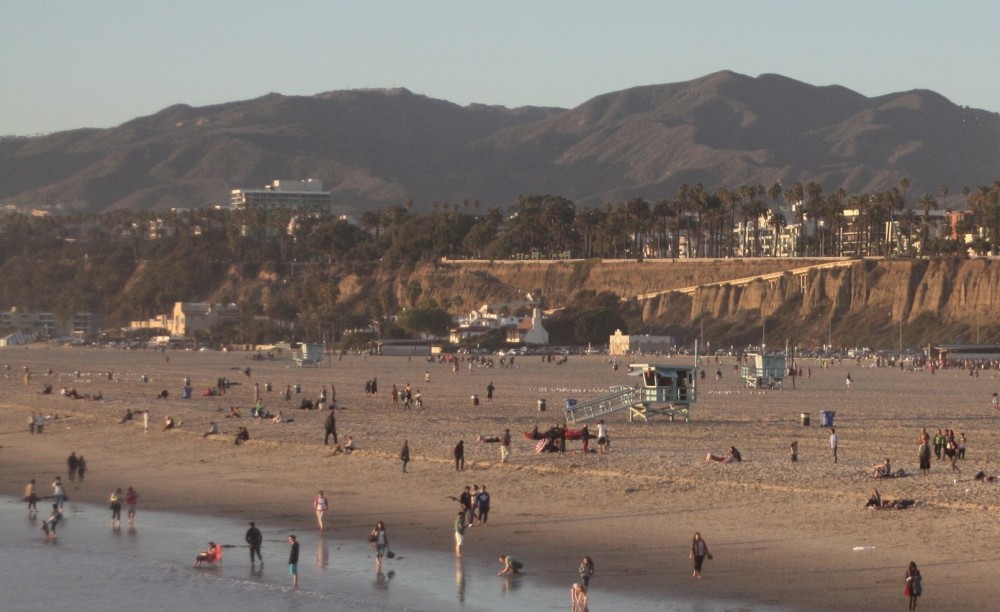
pixel 483 505
pixel 59 490
pixel 380 539
pixel 131 499
pixel 489 392
pixel 320 505
pixel 293 560
pixel 31 422
pixel 71 464
pixel 254 538
pixel 924 453
pixel 833 443
pixel 961 446
pixel 579 598
pixel 793 449
pixel 602 436
pixel 115 503
pixel 699 552
pixel 913 586
pixel 459 533
pixel 31 497
pixel 996 402
pixel 331 427
pixel 465 500
pixel 938 444
pixel 39 422
pixel 586 571
pixel 459 456
pixel 404 455
pixel 505 446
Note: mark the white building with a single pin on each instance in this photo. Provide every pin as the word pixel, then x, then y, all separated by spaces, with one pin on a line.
pixel 296 195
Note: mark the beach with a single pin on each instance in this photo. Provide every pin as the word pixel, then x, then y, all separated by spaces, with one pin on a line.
pixel 783 535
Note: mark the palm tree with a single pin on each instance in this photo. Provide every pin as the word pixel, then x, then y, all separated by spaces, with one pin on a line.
pixel 777 222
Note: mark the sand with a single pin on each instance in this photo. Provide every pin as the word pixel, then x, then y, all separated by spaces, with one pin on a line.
pixel 781 533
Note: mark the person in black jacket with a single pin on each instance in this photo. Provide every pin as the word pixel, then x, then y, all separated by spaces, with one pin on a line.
pixel 293 560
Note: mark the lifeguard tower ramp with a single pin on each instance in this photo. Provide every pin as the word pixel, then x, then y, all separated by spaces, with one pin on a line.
pixel 764 371
pixel 308 355
pixel 666 390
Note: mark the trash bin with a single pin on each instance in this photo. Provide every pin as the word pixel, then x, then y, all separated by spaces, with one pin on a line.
pixel 475 400
pixel 186 392
pixel 804 417
pixel 267 386
pixel 570 403
pixel 541 405
pixel 826 418
pixel 298 389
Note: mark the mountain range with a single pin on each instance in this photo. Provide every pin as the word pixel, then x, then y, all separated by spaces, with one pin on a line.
pixel 380 147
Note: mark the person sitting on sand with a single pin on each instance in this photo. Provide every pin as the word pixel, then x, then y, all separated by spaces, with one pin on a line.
pixel 349 445
pixel 733 456
pixel 234 413
pixel 126 417
pixel 213 429
pixel 212 555
pixel 241 436
pixel 875 501
pixel 164 394
pixel 168 423
pixel 511 566
pixel 882 470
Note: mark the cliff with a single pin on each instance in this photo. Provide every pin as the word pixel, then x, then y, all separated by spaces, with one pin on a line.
pixel 870 303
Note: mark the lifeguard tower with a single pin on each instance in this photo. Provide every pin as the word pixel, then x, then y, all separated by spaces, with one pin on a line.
pixel 667 390
pixel 764 371
pixel 308 355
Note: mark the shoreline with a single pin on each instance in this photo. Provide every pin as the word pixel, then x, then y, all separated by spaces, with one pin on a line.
pixel 782 534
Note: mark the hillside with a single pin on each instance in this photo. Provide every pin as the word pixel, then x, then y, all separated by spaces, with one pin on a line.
pixel 867 303
pixel 382 147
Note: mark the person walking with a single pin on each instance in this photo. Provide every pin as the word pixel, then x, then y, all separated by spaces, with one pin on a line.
pixel 699 552
pixel 254 538
pixel 71 464
pixel 331 427
pixel 293 560
pixel 459 452
pixel 602 436
pixel 380 540
pixel 320 505
pixel 115 503
pixel 833 443
pixel 505 446
pixel 404 455
pixel 489 392
pixel 913 587
pixel 131 499
pixel 81 468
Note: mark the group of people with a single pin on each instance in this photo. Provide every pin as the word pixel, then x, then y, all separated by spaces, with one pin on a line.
pixel 944 443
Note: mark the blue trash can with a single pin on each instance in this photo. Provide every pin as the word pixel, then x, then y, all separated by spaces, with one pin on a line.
pixel 570 403
pixel 186 392
pixel 826 418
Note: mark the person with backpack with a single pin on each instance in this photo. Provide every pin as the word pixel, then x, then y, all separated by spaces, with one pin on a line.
pixel 913 587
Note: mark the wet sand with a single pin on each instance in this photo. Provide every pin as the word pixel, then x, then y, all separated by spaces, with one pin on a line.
pixel 781 533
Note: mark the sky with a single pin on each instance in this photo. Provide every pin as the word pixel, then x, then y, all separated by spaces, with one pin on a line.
pixel 67 64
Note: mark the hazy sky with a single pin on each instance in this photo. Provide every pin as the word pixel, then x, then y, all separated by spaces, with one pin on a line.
pixel 66 64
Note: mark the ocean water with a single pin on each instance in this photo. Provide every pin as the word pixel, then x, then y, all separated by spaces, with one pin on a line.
pixel 92 567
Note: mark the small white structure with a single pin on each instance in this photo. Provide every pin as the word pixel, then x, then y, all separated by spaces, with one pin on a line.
pixel 530 331
pixel 621 345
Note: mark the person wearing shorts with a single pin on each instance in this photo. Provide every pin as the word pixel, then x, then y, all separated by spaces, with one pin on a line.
pixel 293 560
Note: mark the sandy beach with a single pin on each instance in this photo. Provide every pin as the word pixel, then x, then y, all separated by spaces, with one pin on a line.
pixel 785 534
